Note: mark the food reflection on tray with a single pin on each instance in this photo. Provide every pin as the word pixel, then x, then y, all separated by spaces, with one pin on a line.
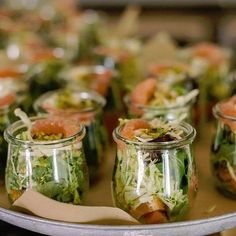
pixel 77 84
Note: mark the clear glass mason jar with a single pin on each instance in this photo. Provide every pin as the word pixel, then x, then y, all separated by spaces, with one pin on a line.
pixel 12 79
pixel 91 28
pixel 55 168
pixel 95 139
pixel 121 55
pixel 155 182
pixel 223 152
pixel 7 104
pixel 43 74
pixel 4 122
pixel 97 78
pixel 103 81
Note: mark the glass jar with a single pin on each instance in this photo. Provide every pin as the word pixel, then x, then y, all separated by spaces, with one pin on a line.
pixel 97 78
pixel 43 73
pixel 105 82
pixel 223 152
pixel 121 55
pixel 12 80
pixel 155 181
pixel 91 117
pixel 7 104
pixel 210 63
pixel 55 168
pixel 91 28
pixel 4 122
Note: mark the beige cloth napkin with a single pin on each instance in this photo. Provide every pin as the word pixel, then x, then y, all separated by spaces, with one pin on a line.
pixel 45 207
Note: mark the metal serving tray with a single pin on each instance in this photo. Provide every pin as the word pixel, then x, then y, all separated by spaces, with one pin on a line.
pixel 211 212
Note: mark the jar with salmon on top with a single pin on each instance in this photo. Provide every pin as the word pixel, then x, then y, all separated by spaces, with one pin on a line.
pixel 123 56
pixel 223 154
pixel 8 100
pixel 210 64
pixel 103 81
pixel 86 107
pixel 152 98
pixel 12 79
pixel 46 155
pixel 154 178
pixel 175 73
pixel 43 71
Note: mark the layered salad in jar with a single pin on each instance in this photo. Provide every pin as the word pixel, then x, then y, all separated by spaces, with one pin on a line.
pixel 86 107
pixel 43 72
pixel 13 80
pixel 46 155
pixel 8 100
pixel 121 55
pixel 223 152
pixel 153 98
pixel 97 78
pixel 210 63
pixel 173 73
pixel 154 177
pixel 104 81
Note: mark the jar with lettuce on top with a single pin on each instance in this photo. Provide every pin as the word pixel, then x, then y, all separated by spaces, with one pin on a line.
pixel 89 28
pixel 86 107
pixel 154 177
pixel 8 100
pixel 223 152
pixel 173 72
pixel 123 56
pixel 13 79
pixel 210 63
pixel 12 94
pixel 153 98
pixel 43 72
pixel 102 80
pixel 46 154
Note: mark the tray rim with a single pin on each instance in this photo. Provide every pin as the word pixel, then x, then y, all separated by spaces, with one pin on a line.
pixel 118 227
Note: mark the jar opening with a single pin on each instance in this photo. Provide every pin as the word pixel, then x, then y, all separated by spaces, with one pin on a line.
pixel 79 71
pixel 218 113
pixel 188 137
pixel 48 101
pixel 10 134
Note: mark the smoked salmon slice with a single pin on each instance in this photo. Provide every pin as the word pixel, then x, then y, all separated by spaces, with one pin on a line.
pixel 55 125
pixel 132 125
pixel 142 94
pixel 228 108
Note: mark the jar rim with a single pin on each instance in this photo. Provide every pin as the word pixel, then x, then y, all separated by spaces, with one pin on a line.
pixel 188 138
pixel 186 105
pixel 96 69
pixel 217 112
pixel 11 138
pixel 86 93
